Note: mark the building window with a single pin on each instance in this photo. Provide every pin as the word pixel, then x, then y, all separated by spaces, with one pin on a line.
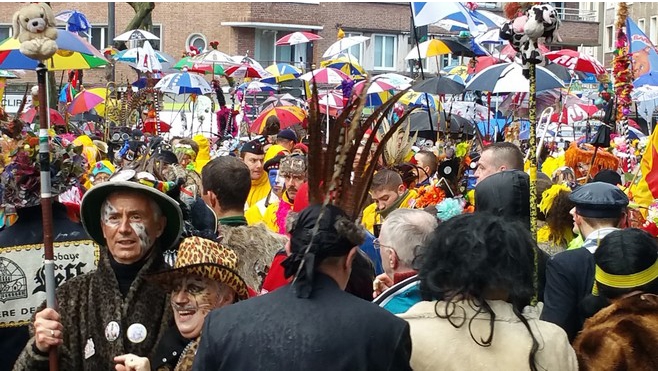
pixel 641 25
pixel 100 37
pixel 653 27
pixel 5 31
pixel 609 37
pixel 356 50
pixel 157 31
pixel 198 40
pixel 385 52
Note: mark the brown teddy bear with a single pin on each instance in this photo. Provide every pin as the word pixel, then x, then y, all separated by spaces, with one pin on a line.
pixel 34 27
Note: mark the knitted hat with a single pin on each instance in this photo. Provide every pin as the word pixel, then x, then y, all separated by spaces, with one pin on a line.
pixel 287 134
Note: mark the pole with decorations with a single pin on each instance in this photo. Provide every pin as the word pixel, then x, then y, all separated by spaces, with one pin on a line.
pixel 623 83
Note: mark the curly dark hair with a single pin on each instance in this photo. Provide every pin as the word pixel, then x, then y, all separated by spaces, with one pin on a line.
pixel 559 219
pixel 471 255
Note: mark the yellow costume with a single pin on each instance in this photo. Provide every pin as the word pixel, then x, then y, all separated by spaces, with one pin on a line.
pixel 259 189
pixel 203 156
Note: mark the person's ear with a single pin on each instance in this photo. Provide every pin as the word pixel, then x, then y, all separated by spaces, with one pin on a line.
pixel 288 248
pixel 350 258
pixel 393 260
pixel 401 189
pixel 502 168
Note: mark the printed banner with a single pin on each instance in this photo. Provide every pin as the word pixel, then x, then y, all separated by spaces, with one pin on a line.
pixel 22 282
pixel 645 58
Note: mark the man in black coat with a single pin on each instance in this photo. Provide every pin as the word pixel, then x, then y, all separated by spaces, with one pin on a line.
pixel 312 323
pixel 570 274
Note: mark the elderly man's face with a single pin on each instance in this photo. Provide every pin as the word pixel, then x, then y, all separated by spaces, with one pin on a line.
pixel 192 298
pixel 130 226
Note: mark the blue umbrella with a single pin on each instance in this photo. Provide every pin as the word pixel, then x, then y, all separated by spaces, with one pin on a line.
pixel 75 21
pixel 184 83
pixel 458 21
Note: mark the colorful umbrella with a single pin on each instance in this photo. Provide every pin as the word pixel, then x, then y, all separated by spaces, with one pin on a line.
pixel 74 53
pixel 435 47
pixel 576 61
pixel 102 93
pixel 480 63
pixel 256 86
pixel 136 35
pixel 138 54
pixel 277 100
pixel 32 116
pixel 184 83
pixel 508 78
pixel 343 44
pixel 346 63
pixel 281 72
pixel 423 100
pixel 332 99
pixel 459 70
pixel 376 86
pixel 205 68
pixel 288 116
pixel 401 82
pixel 150 126
pixel 75 21
pixel 84 102
pixel 245 70
pixel 298 38
pixel 325 75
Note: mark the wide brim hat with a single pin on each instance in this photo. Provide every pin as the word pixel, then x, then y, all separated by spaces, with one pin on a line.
pixel 205 258
pixel 90 210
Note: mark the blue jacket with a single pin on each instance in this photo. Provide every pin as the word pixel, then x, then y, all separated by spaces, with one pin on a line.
pixel 401 296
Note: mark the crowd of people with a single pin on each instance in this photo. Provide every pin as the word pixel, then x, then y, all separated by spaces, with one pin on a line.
pixel 207 262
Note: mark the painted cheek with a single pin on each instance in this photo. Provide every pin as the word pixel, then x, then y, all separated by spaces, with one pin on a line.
pixel 107 211
pixel 144 239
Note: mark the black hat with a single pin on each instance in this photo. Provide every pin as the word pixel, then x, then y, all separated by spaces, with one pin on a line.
pixel 608 176
pixel 287 134
pixel 273 163
pixel 253 147
pixel 599 200
pixel 166 156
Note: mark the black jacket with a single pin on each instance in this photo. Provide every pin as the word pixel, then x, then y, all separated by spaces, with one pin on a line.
pixel 569 279
pixel 331 330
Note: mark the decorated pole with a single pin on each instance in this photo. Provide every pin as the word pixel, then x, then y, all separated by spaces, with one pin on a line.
pixel 623 83
pixel 532 117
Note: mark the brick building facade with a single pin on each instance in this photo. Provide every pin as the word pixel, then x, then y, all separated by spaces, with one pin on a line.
pixel 251 28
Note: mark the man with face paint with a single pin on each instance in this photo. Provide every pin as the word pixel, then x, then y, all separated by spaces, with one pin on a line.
pixel 388 193
pixel 112 310
pixel 293 171
pixel 255 213
pixel 203 279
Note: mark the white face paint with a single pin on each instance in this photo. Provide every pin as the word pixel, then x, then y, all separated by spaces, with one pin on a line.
pixel 130 226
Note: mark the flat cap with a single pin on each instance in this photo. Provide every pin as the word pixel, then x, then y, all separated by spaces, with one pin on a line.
pixel 599 200
pixel 253 147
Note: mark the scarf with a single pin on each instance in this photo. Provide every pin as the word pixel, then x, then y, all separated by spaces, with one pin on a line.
pixel 384 213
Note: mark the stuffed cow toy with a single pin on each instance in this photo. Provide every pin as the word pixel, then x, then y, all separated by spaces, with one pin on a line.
pixel 34 27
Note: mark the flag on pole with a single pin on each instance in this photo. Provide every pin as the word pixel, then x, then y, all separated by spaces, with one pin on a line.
pixel 646 189
pixel 645 58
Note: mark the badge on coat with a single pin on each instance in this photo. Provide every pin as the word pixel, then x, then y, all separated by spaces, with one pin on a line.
pixel 90 350
pixel 137 333
pixel 112 331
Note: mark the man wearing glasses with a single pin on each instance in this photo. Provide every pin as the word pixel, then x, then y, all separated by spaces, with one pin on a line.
pixel 403 231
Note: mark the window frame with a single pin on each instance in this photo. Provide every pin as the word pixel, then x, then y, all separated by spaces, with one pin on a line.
pixel 653 29
pixel 643 23
pixel 395 52
pixel 610 36
pixel 360 45
pixel 104 29
pixel 192 36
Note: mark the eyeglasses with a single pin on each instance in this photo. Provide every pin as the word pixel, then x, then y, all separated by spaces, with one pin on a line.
pixel 378 245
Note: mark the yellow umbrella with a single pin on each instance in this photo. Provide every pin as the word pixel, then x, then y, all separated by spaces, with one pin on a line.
pixel 281 72
pixel 423 100
pixel 461 71
pixel 347 64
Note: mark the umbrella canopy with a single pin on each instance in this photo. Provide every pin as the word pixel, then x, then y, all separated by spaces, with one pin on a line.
pixel 576 61
pixel 256 86
pixel 74 53
pixel 346 63
pixel 439 85
pixel 423 100
pixel 84 102
pixel 150 126
pixel 246 70
pixel 281 72
pixel 205 68
pixel 508 77
pixel 332 99
pixel 459 70
pixel 434 47
pixel 420 121
pixel 298 38
pixel 457 17
pixel 278 100
pixel 145 58
pixel 564 73
pixel 343 44
pixel 75 21
pixel 183 83
pixel 401 82
pixel 468 110
pixel 32 116
pixel 376 86
pixel 482 63
pixel 215 57
pixel 136 35
pixel 288 116
pixel 325 75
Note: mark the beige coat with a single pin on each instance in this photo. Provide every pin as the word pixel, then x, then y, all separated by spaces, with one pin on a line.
pixel 438 345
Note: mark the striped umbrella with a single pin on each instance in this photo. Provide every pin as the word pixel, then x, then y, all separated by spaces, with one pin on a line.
pixel 297 38
pixel 245 70
pixel 256 86
pixel 325 75
pixel 199 67
pixel 332 99
pixel 288 116
pixel 347 64
pixel 423 100
pixel 84 102
pixel 281 72
pixel 184 83
pixel 74 53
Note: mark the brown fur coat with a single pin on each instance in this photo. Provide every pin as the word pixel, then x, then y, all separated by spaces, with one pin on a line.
pixel 623 336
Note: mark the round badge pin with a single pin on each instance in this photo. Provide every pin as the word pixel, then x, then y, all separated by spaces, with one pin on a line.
pixel 112 331
pixel 137 333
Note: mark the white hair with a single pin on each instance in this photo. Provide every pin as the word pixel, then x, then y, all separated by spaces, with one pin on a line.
pixel 406 229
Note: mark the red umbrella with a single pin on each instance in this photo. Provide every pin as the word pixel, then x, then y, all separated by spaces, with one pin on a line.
pixel 31 115
pixel 245 70
pixel 298 38
pixel 150 126
pixel 576 61
pixel 84 102
pixel 482 63
pixel 288 116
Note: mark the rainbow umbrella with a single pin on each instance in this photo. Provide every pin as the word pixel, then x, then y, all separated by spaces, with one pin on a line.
pixel 347 64
pixel 74 53
pixel 84 102
pixel 199 67
pixel 288 116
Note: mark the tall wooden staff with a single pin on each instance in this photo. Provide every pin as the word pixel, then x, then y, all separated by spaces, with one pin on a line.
pixel 46 201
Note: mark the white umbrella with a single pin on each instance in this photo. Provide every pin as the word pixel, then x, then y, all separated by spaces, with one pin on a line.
pixel 136 35
pixel 214 57
pixel 342 44
pixel 149 61
pixel 647 98
pixel 240 59
pixel 184 83
pixel 508 78
pixel 401 82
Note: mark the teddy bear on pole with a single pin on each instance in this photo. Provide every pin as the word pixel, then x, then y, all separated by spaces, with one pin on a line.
pixel 34 27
